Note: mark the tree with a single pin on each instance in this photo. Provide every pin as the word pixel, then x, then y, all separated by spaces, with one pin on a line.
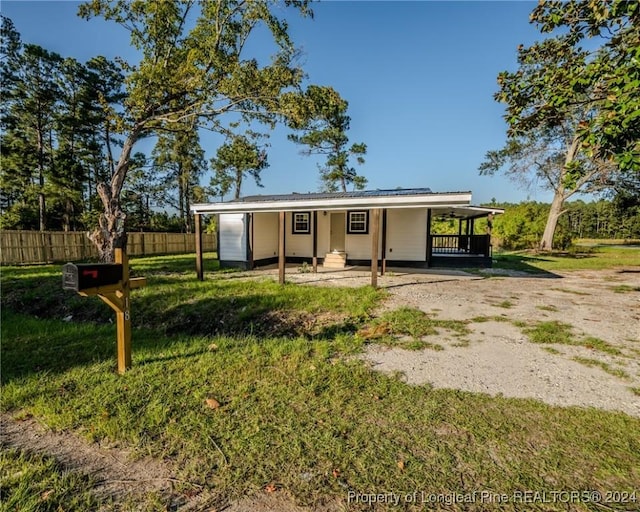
pixel 234 160
pixel 30 112
pixel 106 81
pixel 611 73
pixel 550 158
pixel 179 156
pixel 326 135
pixel 192 71
pixel 565 96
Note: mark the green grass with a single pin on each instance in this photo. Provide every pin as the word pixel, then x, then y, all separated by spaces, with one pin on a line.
pixel 617 372
pixel 547 307
pixel 555 332
pixel 394 327
pixel 175 302
pixel 492 318
pixel 294 407
pixel 572 292
pixel 625 288
pixel 598 258
pixel 34 483
pixel 506 304
pixel 297 411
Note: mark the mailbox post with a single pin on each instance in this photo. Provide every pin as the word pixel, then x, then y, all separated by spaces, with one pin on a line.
pixel 110 282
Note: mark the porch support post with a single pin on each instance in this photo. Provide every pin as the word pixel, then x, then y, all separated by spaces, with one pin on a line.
pixel 429 239
pixel 384 242
pixel 281 247
pixel 199 268
pixel 250 240
pixel 375 236
pixel 315 241
pixel 467 246
pixel 460 227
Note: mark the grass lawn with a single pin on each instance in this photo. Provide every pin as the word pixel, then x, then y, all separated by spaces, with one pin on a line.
pixel 297 412
pixel 34 483
pixel 597 258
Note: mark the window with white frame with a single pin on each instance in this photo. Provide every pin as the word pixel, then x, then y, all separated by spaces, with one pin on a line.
pixel 358 223
pixel 301 224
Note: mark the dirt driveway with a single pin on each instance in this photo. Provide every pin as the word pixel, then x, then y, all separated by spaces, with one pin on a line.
pixel 498 357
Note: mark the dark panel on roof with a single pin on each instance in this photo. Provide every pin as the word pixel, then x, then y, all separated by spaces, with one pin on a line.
pixel 338 195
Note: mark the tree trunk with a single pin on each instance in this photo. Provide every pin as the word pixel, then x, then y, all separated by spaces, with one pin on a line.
pixel 559 196
pixel 187 209
pixel 41 199
pixel 238 184
pixel 181 194
pixel 546 244
pixel 111 232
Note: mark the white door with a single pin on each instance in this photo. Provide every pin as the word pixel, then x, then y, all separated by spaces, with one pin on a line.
pixel 338 228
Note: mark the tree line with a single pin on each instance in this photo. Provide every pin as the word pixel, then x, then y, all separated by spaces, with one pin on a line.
pixel 523 224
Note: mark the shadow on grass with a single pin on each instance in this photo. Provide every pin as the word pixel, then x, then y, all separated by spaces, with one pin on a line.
pixel 185 263
pixel 522 263
pixel 252 315
pixel 31 345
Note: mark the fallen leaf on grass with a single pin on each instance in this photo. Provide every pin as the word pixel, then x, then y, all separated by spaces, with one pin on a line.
pixel 212 403
pixel 400 464
pixel 270 488
pixel 335 473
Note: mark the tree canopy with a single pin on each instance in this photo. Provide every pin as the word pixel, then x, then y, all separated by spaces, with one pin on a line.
pixel 234 160
pixel 326 134
pixel 573 105
pixel 194 69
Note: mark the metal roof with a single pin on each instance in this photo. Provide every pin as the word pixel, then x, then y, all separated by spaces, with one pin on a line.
pixel 397 198
pixel 337 195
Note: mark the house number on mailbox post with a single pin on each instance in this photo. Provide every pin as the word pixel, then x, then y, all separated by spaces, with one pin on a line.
pixel 112 284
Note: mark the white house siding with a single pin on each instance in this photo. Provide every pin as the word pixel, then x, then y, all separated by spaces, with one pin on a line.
pixel 358 247
pixel 298 245
pixel 406 234
pixel 233 237
pixel 265 235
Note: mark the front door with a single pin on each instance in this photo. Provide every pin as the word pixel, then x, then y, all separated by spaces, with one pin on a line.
pixel 336 239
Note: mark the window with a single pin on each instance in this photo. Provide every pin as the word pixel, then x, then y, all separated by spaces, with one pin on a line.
pixel 358 223
pixel 301 223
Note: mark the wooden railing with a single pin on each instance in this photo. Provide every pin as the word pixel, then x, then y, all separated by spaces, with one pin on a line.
pixel 461 244
pixel 23 247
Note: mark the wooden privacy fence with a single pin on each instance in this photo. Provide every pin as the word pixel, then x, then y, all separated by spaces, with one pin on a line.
pixel 20 247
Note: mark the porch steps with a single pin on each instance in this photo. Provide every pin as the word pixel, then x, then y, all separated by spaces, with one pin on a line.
pixel 335 260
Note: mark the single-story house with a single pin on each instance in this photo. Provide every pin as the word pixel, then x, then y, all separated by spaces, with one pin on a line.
pixel 373 227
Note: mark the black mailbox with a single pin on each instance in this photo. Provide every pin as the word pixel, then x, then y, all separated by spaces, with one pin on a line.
pixel 90 275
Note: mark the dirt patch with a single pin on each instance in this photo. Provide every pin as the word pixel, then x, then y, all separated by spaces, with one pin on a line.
pixel 118 476
pixel 116 473
pixel 497 357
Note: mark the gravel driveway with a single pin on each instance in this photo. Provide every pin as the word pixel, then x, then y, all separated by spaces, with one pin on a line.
pixel 497 357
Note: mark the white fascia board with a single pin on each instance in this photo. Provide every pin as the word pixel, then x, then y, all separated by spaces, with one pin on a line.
pixel 426 201
pixel 484 209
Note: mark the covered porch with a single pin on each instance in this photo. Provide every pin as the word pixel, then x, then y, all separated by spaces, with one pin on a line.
pixel 377 229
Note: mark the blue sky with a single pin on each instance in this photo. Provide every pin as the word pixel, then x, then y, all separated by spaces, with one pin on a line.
pixel 419 78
